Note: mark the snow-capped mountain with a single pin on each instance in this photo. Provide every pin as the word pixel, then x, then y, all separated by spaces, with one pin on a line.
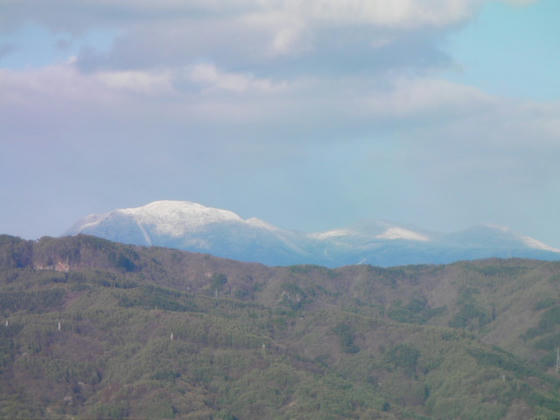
pixel 194 227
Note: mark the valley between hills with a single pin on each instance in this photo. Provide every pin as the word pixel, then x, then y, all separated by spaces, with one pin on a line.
pixel 98 329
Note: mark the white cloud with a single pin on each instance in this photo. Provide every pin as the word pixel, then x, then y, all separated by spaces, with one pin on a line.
pixel 413 97
pixel 291 23
pixel 151 83
pixel 285 39
pixel 249 28
pixel 206 93
pixel 378 12
pixel 405 13
pixel 213 78
pixel 283 26
pixel 520 2
pixel 61 95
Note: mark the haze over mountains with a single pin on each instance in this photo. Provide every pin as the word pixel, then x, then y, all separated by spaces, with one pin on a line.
pixel 194 227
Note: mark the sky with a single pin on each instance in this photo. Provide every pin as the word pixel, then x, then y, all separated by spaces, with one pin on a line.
pixel 309 114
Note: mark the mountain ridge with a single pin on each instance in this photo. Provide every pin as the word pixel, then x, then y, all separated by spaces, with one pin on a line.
pixel 99 329
pixel 193 227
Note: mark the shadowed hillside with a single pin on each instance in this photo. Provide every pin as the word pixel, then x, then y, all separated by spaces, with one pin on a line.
pixel 160 333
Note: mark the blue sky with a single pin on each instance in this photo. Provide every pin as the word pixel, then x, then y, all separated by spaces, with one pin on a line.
pixel 510 51
pixel 309 114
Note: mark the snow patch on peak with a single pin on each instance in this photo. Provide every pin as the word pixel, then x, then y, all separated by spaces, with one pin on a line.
pixel 536 244
pixel 253 221
pixel 92 220
pixel 401 233
pixel 504 229
pixel 170 207
pixel 89 221
pixel 176 218
pixel 335 233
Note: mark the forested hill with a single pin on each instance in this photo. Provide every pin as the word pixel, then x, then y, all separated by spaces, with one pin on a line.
pixel 96 329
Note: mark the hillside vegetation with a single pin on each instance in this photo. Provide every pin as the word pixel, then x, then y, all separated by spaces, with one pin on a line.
pixel 96 329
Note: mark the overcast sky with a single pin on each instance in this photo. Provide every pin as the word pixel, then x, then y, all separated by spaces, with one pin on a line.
pixel 309 114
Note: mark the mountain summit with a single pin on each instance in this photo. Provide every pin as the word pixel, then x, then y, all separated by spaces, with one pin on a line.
pixel 194 227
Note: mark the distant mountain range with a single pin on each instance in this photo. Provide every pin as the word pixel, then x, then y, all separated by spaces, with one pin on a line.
pixel 194 227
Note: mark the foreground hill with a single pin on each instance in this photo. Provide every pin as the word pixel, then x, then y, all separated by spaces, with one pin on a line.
pixel 193 227
pixel 96 329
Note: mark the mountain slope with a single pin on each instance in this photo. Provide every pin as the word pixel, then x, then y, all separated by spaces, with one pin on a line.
pixel 467 340
pixel 193 227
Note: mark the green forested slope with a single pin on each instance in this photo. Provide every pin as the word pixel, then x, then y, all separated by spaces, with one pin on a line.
pixel 470 340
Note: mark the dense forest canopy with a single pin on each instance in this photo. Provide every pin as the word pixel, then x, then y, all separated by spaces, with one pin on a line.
pixel 96 329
